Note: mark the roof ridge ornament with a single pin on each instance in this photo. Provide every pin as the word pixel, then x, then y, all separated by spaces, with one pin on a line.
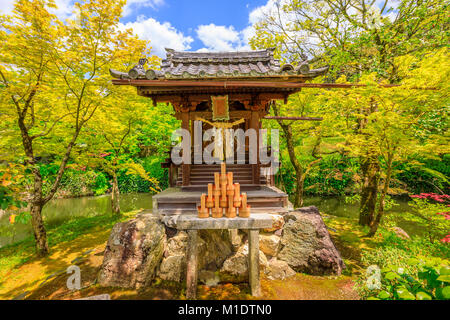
pixel 138 70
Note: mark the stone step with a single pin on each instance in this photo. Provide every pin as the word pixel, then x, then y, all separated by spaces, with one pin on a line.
pixel 204 188
pixel 204 183
pixel 211 173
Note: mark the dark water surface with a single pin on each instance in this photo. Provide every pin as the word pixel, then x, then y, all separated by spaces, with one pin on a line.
pixel 60 210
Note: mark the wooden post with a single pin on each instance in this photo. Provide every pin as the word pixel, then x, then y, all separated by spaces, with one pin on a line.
pixel 192 265
pixel 171 184
pixel 186 167
pixel 253 262
pixel 254 124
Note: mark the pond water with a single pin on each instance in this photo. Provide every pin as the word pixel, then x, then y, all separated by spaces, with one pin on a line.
pixel 60 210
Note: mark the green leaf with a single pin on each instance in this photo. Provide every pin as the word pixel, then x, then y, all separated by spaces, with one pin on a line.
pixel 445 293
pixel 444 278
pixel 372 298
pixel 444 271
pixel 404 294
pixel 413 261
pixel 384 295
pixel 423 296
pixel 391 276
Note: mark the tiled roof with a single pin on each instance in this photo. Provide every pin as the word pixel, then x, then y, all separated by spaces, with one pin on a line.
pixel 199 65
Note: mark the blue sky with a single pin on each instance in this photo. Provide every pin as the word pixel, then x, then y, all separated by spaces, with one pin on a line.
pixel 214 25
pixel 187 15
pixel 205 25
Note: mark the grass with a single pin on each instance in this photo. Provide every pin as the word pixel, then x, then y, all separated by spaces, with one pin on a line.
pixel 21 254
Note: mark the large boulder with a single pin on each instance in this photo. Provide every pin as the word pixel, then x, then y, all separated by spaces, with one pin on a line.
pixel 133 253
pixel 306 244
pixel 278 222
pixel 278 270
pixel 173 265
pixel 214 247
pixel 269 244
pixel 401 233
pixel 235 268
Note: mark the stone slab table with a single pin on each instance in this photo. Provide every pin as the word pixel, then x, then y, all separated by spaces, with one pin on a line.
pixel 191 223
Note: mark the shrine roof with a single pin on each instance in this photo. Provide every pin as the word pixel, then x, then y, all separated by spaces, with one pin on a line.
pixel 220 65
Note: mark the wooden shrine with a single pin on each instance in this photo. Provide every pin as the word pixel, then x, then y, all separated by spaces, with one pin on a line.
pixel 231 90
pixel 239 87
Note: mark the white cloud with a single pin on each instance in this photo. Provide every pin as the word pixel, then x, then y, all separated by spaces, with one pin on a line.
pixel 136 4
pixel 64 10
pixel 6 6
pixel 269 8
pixel 221 38
pixel 161 35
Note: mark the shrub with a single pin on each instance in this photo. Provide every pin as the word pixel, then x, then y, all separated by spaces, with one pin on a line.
pixel 427 279
pixel 431 213
pixel 405 269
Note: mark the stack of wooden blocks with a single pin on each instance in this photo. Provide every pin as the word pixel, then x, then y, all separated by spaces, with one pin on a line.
pixel 224 197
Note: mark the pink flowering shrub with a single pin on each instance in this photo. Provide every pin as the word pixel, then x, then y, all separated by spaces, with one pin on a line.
pixel 431 212
pixel 446 239
pixel 442 198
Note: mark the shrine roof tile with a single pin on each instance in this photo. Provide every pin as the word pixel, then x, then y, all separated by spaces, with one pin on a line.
pixel 200 65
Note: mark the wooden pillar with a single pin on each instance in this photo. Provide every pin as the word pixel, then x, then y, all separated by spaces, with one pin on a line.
pixel 185 167
pixel 253 262
pixel 192 265
pixel 171 175
pixel 254 124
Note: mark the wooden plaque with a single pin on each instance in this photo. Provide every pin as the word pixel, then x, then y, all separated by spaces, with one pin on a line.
pixel 220 108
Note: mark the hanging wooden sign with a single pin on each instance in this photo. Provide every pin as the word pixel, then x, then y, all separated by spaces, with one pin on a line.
pixel 220 108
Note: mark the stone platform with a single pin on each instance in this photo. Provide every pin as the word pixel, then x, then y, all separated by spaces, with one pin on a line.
pixel 193 222
pixel 174 201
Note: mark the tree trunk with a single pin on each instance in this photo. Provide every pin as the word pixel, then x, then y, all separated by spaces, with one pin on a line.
pixel 298 200
pixel 371 176
pixel 374 225
pixel 40 235
pixel 115 196
pixel 287 130
pixel 37 222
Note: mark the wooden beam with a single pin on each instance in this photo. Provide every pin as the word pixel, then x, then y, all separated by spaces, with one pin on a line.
pixel 243 84
pixel 197 98
pixel 208 115
pixel 294 118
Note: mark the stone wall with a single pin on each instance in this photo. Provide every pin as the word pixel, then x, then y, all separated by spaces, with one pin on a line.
pixel 143 248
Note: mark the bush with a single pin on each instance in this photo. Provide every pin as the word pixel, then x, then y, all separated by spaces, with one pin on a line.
pixel 429 279
pixel 431 213
pixel 426 178
pixel 153 167
pixel 135 183
pixel 405 269
pixel 332 176
pixel 101 184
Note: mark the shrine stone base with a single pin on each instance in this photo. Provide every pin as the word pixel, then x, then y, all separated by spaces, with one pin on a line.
pixel 192 224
